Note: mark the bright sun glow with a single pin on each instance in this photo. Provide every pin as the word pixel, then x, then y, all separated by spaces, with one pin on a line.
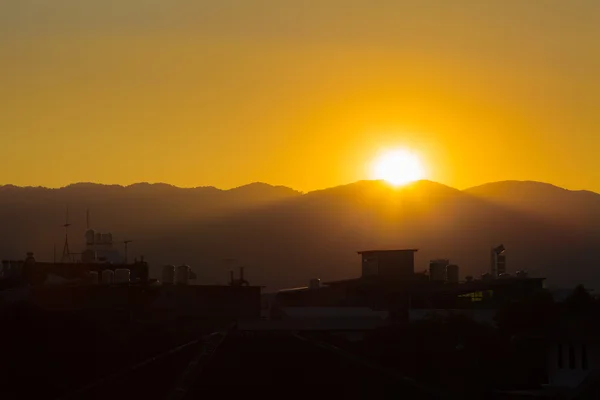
pixel 398 167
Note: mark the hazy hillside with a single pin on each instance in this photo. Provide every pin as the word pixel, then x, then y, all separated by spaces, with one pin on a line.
pixel 318 234
pixel 32 218
pixel 579 208
pixel 285 238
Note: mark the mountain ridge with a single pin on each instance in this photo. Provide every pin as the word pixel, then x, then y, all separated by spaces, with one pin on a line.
pixel 286 237
pixel 525 182
pixel 139 184
pixel 264 184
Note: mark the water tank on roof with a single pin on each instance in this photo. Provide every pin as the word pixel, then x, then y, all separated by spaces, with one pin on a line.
pixel 122 275
pixel 10 268
pixel 108 277
pixel 30 260
pixel 452 273
pixel 168 275
pixel 182 275
pixel 437 270
pixel 93 277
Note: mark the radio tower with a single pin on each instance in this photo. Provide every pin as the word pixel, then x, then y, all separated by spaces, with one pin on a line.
pixel 66 255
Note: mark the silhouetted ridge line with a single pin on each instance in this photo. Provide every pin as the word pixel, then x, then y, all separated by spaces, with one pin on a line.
pixel 286 238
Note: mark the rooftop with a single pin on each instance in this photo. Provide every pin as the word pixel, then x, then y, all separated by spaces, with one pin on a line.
pixel 257 363
pixel 434 286
pixel 296 289
pixel 388 251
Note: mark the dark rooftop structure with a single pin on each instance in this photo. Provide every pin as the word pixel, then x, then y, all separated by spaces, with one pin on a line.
pixel 394 264
pixel 388 281
pixel 32 272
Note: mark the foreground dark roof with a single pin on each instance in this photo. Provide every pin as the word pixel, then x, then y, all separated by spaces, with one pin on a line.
pixel 245 362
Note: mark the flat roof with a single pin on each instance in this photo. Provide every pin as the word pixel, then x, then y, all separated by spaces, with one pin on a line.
pixel 478 285
pixel 431 286
pixel 388 251
pixel 360 280
pixel 296 289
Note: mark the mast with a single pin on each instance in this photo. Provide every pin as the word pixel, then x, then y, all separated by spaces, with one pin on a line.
pixel 126 242
pixel 66 255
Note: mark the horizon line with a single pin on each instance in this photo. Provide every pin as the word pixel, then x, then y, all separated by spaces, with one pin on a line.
pixel 125 186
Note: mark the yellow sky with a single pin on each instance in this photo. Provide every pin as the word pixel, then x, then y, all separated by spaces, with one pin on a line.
pixel 301 93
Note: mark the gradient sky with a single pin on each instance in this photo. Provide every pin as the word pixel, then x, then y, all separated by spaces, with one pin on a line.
pixel 302 93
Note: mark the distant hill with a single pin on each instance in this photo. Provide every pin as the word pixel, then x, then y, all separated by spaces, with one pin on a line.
pixel 284 237
pixel 31 217
pixel 577 208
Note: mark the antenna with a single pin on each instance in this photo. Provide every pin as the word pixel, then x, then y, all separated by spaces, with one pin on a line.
pixel 66 256
pixel 229 264
pixel 126 242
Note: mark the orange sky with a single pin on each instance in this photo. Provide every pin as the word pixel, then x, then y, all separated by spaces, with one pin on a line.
pixel 301 93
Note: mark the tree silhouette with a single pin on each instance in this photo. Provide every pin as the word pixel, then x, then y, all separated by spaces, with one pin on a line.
pixel 580 301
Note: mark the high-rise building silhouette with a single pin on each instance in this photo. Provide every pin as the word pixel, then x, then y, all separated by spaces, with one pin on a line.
pixel 498 261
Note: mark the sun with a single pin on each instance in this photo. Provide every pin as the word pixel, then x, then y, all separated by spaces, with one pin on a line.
pixel 398 167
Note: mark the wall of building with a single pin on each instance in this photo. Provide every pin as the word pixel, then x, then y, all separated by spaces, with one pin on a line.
pixel 190 301
pixel 397 264
pixel 211 300
pixel 481 316
pixel 392 264
pixel 370 265
pixel 482 295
